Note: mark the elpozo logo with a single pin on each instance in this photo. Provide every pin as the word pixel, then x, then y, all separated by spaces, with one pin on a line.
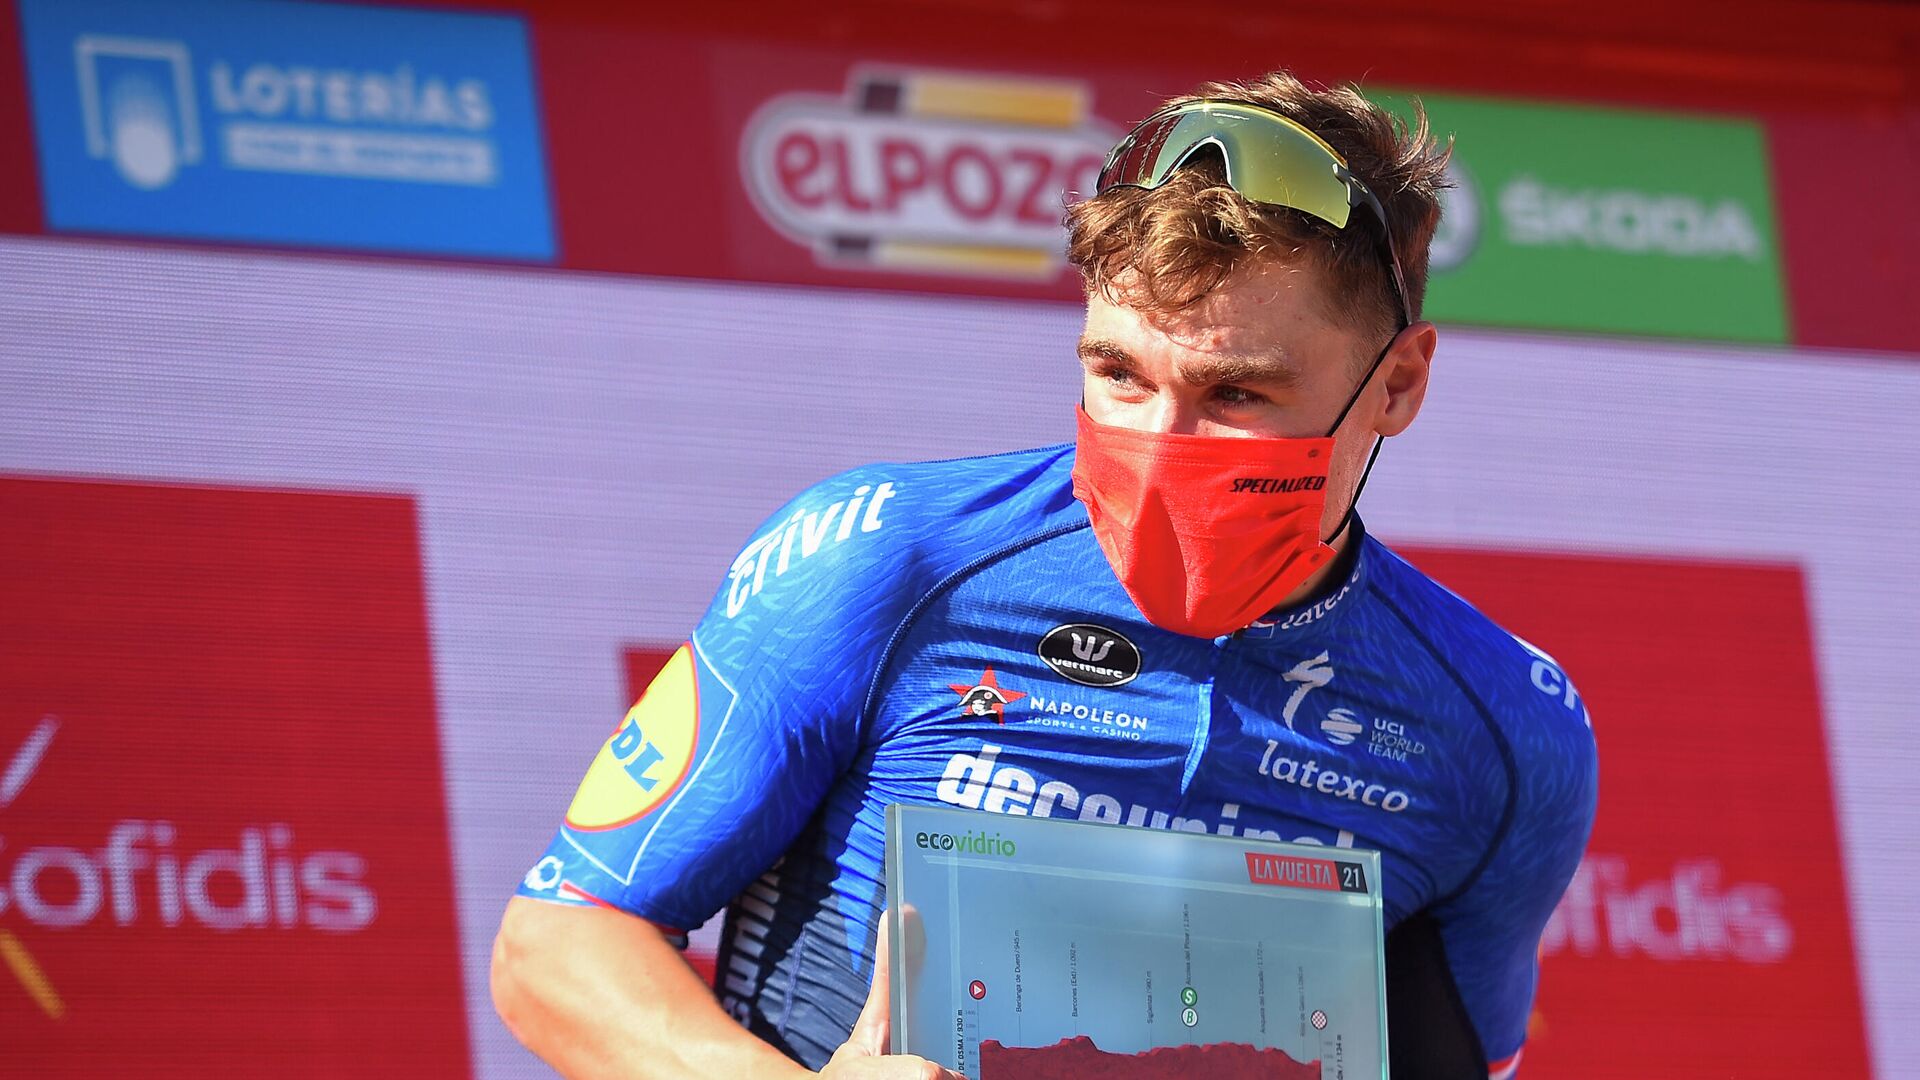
pixel 927 172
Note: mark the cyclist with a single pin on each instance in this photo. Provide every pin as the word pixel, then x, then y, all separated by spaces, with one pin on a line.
pixel 1177 621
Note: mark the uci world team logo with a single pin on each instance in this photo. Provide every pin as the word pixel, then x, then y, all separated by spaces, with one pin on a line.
pixel 280 122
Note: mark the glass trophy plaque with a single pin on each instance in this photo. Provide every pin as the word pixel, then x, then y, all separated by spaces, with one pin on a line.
pixel 1033 948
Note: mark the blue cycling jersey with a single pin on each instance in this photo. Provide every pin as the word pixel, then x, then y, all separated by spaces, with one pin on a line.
pixel 950 632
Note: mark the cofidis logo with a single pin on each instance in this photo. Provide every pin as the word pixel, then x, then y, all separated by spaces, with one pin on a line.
pixel 927 171
pixel 220 800
pixel 311 124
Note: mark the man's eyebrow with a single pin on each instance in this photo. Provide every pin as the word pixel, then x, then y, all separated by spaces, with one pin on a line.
pixel 1208 371
pixel 1216 370
pixel 1096 350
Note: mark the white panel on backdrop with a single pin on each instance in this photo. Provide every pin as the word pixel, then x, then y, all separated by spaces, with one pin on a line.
pixel 588 452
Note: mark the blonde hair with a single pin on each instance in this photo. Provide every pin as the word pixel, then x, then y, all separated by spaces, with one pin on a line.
pixel 1180 241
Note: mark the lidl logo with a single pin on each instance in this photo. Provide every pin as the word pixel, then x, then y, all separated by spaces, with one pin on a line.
pixel 926 171
pixel 648 755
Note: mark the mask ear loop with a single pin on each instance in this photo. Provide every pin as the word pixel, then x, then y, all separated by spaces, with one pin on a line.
pixel 1346 519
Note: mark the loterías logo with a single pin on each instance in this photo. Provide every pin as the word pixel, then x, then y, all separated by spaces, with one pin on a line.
pixel 927 171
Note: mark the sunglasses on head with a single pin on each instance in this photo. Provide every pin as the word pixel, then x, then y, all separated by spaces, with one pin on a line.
pixel 1269 159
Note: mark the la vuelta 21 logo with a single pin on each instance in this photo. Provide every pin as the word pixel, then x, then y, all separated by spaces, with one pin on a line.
pixel 141 874
pixel 927 171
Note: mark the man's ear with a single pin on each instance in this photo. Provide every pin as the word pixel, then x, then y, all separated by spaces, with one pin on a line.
pixel 1407 364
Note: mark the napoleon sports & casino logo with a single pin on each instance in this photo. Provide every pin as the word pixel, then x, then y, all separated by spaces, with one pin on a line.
pixel 924 171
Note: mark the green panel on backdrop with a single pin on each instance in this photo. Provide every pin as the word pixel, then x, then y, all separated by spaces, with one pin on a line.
pixel 1582 218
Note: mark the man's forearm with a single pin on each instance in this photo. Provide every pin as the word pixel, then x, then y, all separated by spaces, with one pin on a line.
pixel 597 993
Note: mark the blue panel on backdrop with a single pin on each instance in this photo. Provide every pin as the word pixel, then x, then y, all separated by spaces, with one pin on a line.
pixel 281 122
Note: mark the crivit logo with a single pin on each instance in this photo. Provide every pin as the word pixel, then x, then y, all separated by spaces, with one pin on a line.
pixel 141 874
pixel 923 171
pixel 801 537
pixel 1683 912
pixel 1091 655
pixel 980 782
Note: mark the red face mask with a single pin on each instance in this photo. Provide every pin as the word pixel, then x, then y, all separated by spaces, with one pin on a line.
pixel 1206 534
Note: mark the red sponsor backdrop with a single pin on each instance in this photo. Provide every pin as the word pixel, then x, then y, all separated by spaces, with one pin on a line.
pixel 645 107
pixel 1707 932
pixel 223 836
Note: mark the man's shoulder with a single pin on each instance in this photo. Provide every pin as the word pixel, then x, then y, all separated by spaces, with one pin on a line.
pixel 1523 689
pixel 1535 717
pixel 865 544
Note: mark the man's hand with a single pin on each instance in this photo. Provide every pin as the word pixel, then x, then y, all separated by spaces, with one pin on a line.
pixel 864 1055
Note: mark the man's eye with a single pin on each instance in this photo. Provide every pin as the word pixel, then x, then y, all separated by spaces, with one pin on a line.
pixel 1120 376
pixel 1234 395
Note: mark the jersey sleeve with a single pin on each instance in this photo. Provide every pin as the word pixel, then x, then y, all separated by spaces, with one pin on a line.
pixel 704 784
pixel 1490 931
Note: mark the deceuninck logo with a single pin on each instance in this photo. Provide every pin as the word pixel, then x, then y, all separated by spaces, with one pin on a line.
pixel 916 170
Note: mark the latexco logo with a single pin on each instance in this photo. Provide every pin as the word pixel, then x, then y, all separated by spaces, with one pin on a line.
pixel 141 873
pixel 927 171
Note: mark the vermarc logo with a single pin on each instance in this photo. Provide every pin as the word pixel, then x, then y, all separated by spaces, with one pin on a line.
pixel 1091 655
